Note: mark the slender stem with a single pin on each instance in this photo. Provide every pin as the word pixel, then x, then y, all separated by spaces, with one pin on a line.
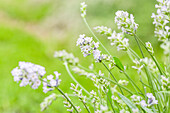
pixel 139 46
pixel 133 83
pixel 113 77
pixel 86 107
pixel 109 100
pixel 67 99
pixel 66 65
pixel 126 89
pixel 154 59
pixel 95 35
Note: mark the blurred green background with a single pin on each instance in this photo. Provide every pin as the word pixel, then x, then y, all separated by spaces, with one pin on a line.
pixel 31 30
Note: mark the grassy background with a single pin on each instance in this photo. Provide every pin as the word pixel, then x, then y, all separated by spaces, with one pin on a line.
pixel 31 30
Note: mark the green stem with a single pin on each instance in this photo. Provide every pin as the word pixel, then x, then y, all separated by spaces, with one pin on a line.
pixel 113 77
pixel 66 65
pixel 109 100
pixel 67 99
pixel 95 35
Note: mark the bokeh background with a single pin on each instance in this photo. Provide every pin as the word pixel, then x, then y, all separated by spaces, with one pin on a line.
pixel 31 30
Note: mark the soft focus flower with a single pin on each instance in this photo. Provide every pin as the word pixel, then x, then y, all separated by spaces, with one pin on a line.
pixel 149 47
pixel 151 99
pixel 47 101
pixel 166 47
pixel 88 46
pixel 165 83
pixel 51 82
pixel 126 23
pixel 118 40
pixel 139 65
pixel 123 82
pixel 103 30
pixel 28 73
pixel 83 9
pixel 65 56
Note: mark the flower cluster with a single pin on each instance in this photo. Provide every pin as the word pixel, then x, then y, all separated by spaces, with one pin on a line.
pixel 69 106
pixel 78 93
pixel 119 40
pixel 65 56
pixel 88 46
pixel 165 83
pixel 83 9
pixel 103 30
pixel 47 101
pixel 149 47
pixel 139 65
pixel 50 82
pixel 166 47
pixel 151 64
pixel 161 19
pixel 126 23
pixel 28 74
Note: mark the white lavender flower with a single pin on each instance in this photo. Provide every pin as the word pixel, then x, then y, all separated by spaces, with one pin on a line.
pixel 65 56
pixel 83 9
pixel 165 83
pixel 119 40
pixel 103 30
pixel 51 82
pixel 149 47
pixel 28 74
pixel 166 47
pixel 126 23
pixel 136 99
pixel 151 99
pixel 78 93
pixel 139 65
pixel 48 101
pixel 88 46
pixel 151 65
pixel 161 20
pixel 123 82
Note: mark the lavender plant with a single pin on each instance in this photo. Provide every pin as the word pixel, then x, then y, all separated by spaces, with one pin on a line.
pixel 110 94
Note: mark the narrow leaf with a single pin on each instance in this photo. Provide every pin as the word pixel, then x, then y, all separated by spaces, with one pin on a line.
pixel 127 101
pixel 147 110
pixel 118 63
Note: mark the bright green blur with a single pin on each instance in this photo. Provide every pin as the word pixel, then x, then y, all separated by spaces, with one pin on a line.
pixel 31 30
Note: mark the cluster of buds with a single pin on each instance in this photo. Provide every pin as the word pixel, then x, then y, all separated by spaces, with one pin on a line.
pixel 83 9
pixel 65 56
pixel 126 23
pixel 166 47
pixel 123 82
pixel 161 20
pixel 78 93
pixel 136 99
pixel 88 46
pixel 165 83
pixel 69 106
pixel 95 99
pixel 48 101
pixel 150 101
pixel 50 82
pixel 139 65
pixel 103 30
pixel 149 47
pixel 28 74
pixel 119 40
pixel 151 64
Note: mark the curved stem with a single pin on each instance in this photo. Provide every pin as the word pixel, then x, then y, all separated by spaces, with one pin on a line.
pixel 126 89
pixel 109 100
pixel 95 35
pixel 113 77
pixel 66 65
pixel 67 99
